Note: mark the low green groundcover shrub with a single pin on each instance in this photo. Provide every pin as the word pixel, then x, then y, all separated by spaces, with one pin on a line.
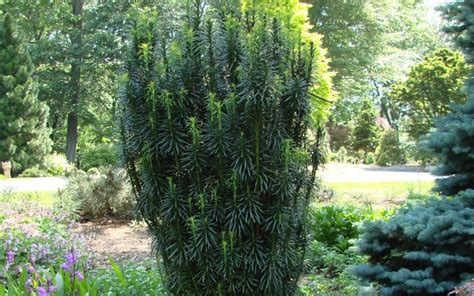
pixel 53 165
pixel 130 279
pixel 34 172
pixel 370 158
pixel 56 164
pixel 425 249
pixel 328 271
pixel 337 225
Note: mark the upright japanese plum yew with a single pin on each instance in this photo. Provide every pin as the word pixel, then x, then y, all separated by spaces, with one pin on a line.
pixel 221 141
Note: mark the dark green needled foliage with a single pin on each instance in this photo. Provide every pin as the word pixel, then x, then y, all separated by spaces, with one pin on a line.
pixel 216 140
pixel 24 137
pixel 428 249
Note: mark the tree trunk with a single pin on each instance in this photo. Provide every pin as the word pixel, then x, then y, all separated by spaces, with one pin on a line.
pixel 75 82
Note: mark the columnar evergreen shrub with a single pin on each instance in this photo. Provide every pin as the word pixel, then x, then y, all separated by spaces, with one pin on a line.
pixel 342 155
pixel 389 151
pixel 24 136
pixel 216 133
pixel 366 131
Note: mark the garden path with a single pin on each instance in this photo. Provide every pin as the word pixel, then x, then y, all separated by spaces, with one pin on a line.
pixel 340 173
pixel 332 173
pixel 33 184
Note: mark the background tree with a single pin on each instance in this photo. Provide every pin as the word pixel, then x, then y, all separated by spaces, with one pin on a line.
pixel 389 150
pixel 426 248
pixel 24 137
pixel 366 131
pixel 216 115
pixel 75 81
pixel 50 27
pixel 430 89
pixel 371 45
pixel 351 33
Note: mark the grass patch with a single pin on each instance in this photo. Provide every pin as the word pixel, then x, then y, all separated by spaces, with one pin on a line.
pixel 384 187
pixel 44 198
pixel 379 193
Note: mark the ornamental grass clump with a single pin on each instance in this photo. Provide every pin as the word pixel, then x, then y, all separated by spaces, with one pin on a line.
pixel 218 114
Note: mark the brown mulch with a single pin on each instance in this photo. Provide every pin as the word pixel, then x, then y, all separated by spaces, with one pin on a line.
pixel 118 240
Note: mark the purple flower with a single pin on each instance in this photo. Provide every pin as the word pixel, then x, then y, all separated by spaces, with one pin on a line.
pixel 31 269
pixel 52 289
pixel 32 259
pixel 42 291
pixel 79 275
pixel 66 266
pixel 71 260
pixel 28 284
pixel 10 257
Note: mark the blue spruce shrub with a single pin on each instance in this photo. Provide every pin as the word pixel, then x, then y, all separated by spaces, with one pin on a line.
pixel 426 249
pixel 453 144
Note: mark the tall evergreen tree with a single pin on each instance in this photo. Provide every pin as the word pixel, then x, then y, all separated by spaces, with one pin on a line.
pixel 366 131
pixel 216 122
pixel 24 137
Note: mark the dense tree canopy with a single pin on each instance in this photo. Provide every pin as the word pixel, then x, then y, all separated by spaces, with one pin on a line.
pixel 372 44
pixel 57 56
pixel 431 88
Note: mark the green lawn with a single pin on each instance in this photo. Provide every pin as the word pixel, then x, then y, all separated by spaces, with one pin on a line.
pixel 379 193
pixel 45 198
pixel 383 187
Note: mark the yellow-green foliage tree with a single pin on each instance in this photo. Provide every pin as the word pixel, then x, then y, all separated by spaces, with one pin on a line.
pixel 294 14
pixel 431 88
